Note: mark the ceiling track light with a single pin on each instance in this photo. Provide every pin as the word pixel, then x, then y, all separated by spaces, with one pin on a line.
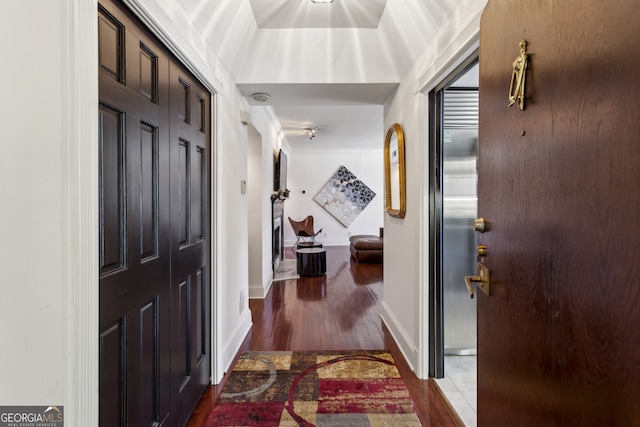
pixel 260 97
pixel 312 132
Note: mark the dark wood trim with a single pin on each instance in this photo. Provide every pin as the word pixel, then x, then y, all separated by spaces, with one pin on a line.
pixel 437 391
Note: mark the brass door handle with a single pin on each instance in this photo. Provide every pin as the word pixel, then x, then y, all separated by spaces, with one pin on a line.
pixel 483 279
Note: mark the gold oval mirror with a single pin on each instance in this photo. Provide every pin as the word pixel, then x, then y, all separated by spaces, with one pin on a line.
pixel 394 172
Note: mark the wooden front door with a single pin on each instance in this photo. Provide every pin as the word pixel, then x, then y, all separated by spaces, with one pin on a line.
pixel 154 228
pixel 559 187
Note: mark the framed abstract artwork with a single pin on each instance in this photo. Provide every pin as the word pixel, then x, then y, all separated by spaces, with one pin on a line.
pixel 344 196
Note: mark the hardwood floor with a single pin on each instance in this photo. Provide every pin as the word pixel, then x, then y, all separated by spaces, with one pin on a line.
pixel 338 311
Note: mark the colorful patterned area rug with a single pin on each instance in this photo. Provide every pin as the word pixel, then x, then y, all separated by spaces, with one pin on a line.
pixel 348 388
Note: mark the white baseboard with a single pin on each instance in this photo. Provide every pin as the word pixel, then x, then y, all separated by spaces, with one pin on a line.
pixel 231 348
pixel 258 291
pixel 405 344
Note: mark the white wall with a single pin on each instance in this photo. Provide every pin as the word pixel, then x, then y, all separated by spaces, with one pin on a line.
pixel 33 194
pixel 401 237
pixel 309 172
pixel 405 306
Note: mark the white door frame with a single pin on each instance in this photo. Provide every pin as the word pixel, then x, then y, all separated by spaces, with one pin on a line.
pixel 458 51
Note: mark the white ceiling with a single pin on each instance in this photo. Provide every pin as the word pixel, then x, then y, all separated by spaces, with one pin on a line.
pixel 348 116
pixel 306 14
pixel 327 65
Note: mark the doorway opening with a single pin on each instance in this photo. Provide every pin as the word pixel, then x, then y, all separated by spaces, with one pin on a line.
pixel 453 107
pixel 254 191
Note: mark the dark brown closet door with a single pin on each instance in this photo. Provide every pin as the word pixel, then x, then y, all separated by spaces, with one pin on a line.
pixel 134 224
pixel 154 216
pixel 190 169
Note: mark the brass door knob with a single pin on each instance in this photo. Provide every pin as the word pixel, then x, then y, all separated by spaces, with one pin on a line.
pixel 480 225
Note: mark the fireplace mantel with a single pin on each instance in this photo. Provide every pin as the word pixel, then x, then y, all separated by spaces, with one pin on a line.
pixel 277 231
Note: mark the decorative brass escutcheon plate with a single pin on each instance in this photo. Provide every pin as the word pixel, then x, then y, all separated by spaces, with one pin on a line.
pixel 485 275
pixel 483 279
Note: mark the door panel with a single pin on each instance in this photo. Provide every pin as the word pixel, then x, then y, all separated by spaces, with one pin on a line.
pixel 149 192
pixel 190 273
pixel 110 43
pixel 558 342
pixel 143 362
pixel 111 150
pixel 135 256
pixel 183 192
pixel 112 375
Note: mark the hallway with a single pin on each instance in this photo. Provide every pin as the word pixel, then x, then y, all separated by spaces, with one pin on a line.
pixel 338 311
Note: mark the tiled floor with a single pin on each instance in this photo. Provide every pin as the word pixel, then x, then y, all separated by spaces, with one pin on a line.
pixel 460 386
